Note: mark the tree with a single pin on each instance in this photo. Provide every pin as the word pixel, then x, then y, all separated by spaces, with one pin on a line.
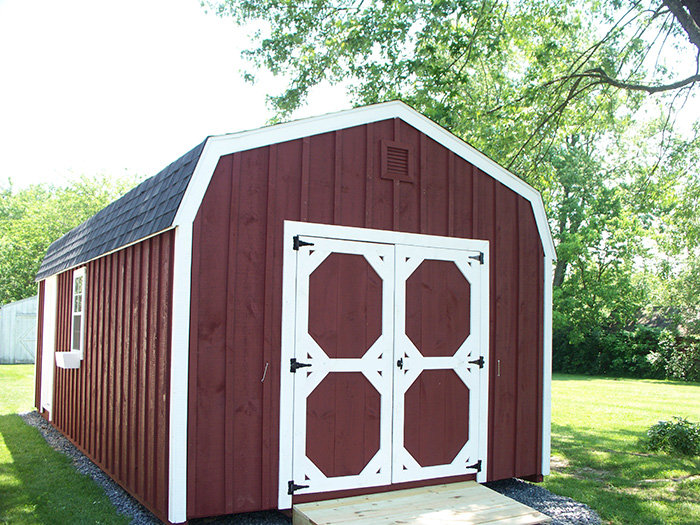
pixel 32 218
pixel 511 74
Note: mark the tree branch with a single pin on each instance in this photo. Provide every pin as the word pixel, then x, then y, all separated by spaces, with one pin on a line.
pixel 602 77
pixel 686 18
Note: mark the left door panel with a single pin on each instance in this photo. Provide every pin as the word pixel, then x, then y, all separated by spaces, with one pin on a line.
pixel 343 369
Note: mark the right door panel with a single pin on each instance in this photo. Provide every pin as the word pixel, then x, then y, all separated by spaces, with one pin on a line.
pixel 438 348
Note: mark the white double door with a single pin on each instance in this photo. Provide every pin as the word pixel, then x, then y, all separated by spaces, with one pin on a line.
pixel 384 375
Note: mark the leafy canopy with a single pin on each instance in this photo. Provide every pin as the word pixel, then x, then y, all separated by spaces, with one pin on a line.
pixel 512 77
pixel 32 218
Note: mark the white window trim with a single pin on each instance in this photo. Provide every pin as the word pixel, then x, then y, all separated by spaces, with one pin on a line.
pixel 80 272
pixel 73 358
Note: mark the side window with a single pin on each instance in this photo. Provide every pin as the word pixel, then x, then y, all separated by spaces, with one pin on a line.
pixel 78 331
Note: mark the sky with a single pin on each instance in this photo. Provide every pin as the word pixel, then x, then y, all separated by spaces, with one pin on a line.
pixel 96 86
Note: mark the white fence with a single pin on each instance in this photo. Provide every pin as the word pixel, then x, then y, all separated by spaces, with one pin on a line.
pixel 18 332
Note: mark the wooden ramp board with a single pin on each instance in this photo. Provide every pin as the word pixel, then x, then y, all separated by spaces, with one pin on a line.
pixel 466 503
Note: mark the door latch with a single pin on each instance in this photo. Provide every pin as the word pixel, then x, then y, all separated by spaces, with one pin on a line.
pixel 399 363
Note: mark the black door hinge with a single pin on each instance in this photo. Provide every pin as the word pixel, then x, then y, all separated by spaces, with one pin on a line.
pixel 295 365
pixel 479 257
pixel 479 362
pixel 292 487
pixel 298 243
pixel 476 466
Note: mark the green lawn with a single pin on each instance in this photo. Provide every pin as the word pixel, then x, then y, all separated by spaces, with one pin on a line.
pixel 598 457
pixel 38 484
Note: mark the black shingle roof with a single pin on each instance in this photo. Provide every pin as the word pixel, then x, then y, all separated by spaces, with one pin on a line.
pixel 147 209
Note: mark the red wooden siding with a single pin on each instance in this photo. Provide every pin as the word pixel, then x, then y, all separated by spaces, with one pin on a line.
pixel 39 345
pixel 335 178
pixel 115 406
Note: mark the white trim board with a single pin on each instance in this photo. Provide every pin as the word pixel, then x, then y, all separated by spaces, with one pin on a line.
pixel 179 375
pixel 547 366
pixel 221 145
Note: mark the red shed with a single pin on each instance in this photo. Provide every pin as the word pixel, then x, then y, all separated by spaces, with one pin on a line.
pixel 350 303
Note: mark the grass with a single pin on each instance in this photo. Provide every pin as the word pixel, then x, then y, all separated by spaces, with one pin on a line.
pixel 38 484
pixel 598 457
pixel 598 425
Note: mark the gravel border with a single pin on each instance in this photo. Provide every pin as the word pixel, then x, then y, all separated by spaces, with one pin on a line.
pixel 562 510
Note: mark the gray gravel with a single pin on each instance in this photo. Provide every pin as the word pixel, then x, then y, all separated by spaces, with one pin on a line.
pixel 562 510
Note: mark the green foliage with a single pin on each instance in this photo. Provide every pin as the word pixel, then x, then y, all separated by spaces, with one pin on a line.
pixel 644 352
pixel 677 437
pixel 32 218
pixel 512 77
pixel 680 355
pixel 618 353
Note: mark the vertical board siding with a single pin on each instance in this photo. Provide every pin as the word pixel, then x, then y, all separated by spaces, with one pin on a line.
pixel 115 406
pixel 334 178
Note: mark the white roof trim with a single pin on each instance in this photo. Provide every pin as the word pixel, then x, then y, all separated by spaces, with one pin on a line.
pixel 221 145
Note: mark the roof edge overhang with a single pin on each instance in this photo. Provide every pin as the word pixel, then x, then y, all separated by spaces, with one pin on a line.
pixel 221 145
pixel 105 254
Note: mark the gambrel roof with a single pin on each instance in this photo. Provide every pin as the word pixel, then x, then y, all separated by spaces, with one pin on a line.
pixel 147 209
pixel 172 197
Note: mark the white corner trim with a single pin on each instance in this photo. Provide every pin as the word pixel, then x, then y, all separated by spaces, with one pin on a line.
pixel 179 375
pixel 286 446
pixel 221 145
pixel 484 319
pixel 547 367
pixel 48 344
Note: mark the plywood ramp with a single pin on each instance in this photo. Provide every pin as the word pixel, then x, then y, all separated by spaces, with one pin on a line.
pixel 466 503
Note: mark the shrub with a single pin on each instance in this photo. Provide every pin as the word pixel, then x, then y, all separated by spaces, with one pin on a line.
pixel 621 353
pixel 681 356
pixel 678 437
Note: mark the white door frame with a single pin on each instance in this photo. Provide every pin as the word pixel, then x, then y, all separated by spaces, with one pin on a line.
pixel 289 324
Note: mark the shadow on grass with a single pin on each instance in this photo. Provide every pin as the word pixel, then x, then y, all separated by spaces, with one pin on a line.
pixel 559 376
pixel 18 504
pixel 607 471
pixel 40 485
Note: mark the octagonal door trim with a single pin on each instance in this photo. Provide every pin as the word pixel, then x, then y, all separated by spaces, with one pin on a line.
pixel 343 416
pixel 341 467
pixel 461 359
